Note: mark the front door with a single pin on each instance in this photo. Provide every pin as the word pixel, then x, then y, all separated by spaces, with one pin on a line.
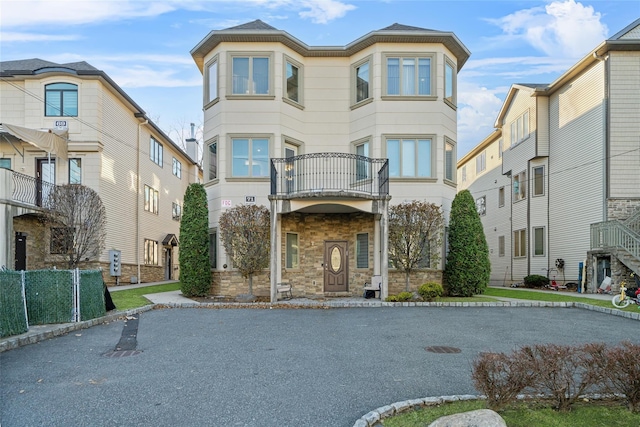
pixel 336 263
pixel 21 252
pixel 45 179
pixel 168 263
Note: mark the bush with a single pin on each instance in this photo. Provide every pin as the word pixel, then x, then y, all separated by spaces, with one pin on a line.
pixel 536 281
pixel 620 369
pixel 401 297
pixel 501 378
pixel 468 266
pixel 195 269
pixel 430 290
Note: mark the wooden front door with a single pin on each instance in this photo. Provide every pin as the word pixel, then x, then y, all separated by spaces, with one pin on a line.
pixel 336 265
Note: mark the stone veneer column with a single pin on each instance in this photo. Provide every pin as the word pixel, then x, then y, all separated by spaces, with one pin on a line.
pixel 275 260
pixel 384 249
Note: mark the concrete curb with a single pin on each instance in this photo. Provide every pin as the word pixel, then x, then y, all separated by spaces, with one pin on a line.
pixel 16 341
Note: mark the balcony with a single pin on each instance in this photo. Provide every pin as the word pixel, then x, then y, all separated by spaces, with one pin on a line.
pixel 25 189
pixel 329 174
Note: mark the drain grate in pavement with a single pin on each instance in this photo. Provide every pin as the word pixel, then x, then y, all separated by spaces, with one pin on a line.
pixel 122 353
pixel 442 349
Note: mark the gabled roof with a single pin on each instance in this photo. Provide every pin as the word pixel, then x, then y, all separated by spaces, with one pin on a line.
pixel 259 32
pixel 35 66
pixel 628 39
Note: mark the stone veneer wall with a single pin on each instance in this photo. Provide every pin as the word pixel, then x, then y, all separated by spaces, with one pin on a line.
pixel 308 280
pixel 37 249
pixel 621 209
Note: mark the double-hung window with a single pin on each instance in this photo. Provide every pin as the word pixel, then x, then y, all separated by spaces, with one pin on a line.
pixel 361 80
pixel 449 160
pixel 150 200
pixel 538 181
pixel 520 243
pixel 211 81
pixel 250 157
pixel 213 160
pixel 481 162
pixel 213 249
pixel 155 151
pixel 150 252
pixel 176 211
pixel 500 197
pixel 449 82
pixel 75 171
pixel 520 128
pixel 251 74
pixel 481 205
pixel 176 168
pixel 362 165
pixel 519 186
pixel 501 246
pixel 61 100
pixel 293 74
pixel 538 241
pixel 293 251
pixel 408 75
pixel 410 157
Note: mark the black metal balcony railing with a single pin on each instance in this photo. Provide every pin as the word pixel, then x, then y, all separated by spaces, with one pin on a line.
pixel 30 190
pixel 329 172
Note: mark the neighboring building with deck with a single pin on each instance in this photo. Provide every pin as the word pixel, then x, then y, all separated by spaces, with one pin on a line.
pixel 558 182
pixel 72 124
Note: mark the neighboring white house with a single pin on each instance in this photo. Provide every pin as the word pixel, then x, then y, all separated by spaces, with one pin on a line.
pixel 70 123
pixel 558 183
pixel 327 138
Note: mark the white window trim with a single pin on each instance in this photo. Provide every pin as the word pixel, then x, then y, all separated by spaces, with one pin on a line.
pixel 520 232
pixel 544 241
pixel 252 54
pixel 481 162
pixel 520 128
pixel 481 205
pixel 432 73
pixel 501 203
pixel 207 161
pixel 533 181
pixel 176 168
pixel 285 96
pixel 522 182
pixel 502 250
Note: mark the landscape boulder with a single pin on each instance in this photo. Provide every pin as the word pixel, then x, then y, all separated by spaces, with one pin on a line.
pixel 478 418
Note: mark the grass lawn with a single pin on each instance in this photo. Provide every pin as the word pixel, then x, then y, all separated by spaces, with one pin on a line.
pixel 609 414
pixel 132 298
pixel 553 297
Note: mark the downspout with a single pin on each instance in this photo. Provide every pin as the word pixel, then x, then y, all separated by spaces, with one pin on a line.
pixel 605 130
pixel 138 201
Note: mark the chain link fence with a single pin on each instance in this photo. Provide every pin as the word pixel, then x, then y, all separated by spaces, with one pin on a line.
pixel 39 297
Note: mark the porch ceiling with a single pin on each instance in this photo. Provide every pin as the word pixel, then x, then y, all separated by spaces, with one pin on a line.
pixel 328 208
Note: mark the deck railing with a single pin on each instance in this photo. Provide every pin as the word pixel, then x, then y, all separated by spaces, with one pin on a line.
pixel 30 190
pixel 329 172
pixel 615 234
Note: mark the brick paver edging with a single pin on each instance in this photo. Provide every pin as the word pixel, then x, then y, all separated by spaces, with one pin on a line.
pixel 25 339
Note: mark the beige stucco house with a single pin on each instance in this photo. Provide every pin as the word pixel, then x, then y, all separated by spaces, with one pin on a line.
pixel 327 138
pixel 558 182
pixel 70 123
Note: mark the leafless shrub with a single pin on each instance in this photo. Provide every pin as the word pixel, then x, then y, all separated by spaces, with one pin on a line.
pixel 620 368
pixel 501 377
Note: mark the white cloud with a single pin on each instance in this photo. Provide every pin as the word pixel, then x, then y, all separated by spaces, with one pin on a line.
pixel 32 37
pixel 60 13
pixel 562 28
pixel 323 11
pixel 478 109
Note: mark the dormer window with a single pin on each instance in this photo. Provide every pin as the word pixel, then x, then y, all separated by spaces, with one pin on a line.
pixel 61 100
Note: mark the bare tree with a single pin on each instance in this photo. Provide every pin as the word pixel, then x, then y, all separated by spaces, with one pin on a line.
pixel 415 236
pixel 245 235
pixel 78 220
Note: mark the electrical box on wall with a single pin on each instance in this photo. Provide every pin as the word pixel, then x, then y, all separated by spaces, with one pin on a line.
pixel 114 263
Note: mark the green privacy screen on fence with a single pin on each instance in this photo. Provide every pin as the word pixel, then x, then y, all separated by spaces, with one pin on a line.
pixel 91 295
pixel 13 319
pixel 49 296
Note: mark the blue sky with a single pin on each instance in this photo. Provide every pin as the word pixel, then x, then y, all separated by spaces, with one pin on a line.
pixel 144 45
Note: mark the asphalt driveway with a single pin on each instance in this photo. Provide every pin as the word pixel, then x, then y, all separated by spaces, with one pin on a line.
pixel 278 367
